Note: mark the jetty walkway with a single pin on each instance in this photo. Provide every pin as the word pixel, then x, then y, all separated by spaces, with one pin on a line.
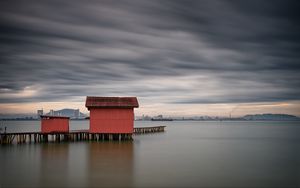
pixel 72 136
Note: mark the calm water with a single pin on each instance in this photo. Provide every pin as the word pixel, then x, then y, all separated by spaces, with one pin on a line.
pixel 188 154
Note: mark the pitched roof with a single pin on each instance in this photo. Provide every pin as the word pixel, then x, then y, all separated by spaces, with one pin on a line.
pixel 111 102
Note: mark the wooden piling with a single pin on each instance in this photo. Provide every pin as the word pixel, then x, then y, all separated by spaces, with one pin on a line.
pixel 38 137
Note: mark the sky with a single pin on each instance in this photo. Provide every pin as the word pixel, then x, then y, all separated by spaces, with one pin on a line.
pixel 179 57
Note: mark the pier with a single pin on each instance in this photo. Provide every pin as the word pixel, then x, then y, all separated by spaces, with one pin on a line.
pixel 72 136
pixel 145 130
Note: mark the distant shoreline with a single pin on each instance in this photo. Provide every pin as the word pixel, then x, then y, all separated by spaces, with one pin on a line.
pixel 20 119
pixel 158 120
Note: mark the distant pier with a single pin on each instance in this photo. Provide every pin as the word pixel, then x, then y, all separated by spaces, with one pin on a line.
pixel 73 136
pixel 145 130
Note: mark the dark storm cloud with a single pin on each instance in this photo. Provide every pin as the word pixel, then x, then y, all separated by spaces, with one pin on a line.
pixel 171 51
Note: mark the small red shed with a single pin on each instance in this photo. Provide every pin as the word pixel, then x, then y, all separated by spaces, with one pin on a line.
pixel 111 114
pixel 54 124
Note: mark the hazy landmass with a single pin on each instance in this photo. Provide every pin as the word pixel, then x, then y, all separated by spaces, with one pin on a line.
pixel 66 112
pixel 249 117
pixel 273 117
pixel 30 116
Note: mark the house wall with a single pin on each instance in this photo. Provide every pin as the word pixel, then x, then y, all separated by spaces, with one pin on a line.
pixel 54 125
pixel 108 120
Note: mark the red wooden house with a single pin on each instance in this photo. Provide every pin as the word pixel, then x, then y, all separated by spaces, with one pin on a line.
pixel 50 124
pixel 111 114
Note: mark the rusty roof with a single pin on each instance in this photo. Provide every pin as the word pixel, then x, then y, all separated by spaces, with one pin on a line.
pixel 111 102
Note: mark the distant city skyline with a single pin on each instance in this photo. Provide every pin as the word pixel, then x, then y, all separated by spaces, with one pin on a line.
pixel 75 114
pixel 205 57
pixel 201 110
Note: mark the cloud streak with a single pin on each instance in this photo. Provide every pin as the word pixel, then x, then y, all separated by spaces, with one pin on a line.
pixel 177 52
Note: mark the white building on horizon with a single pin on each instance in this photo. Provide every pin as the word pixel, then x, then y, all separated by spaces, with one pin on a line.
pixel 51 113
pixel 76 113
pixel 39 113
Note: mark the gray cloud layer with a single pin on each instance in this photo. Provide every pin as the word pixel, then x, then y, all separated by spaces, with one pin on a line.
pixel 168 51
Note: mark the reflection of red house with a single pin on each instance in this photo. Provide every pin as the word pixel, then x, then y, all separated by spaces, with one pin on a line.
pixel 111 114
pixel 54 124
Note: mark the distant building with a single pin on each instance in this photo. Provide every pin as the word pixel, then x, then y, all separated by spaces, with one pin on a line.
pixel 51 113
pixel 111 114
pixel 160 117
pixel 146 117
pixel 39 113
pixel 76 113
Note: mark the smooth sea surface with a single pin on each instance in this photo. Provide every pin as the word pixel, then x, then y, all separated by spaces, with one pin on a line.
pixel 188 154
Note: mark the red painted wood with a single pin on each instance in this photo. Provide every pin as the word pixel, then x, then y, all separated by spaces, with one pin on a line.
pixel 114 120
pixel 54 125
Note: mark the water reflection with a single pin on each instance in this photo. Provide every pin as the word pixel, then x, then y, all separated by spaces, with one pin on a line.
pixel 54 164
pixel 189 154
pixel 93 164
pixel 110 164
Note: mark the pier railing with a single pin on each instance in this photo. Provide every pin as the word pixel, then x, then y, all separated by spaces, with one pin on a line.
pixel 72 136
